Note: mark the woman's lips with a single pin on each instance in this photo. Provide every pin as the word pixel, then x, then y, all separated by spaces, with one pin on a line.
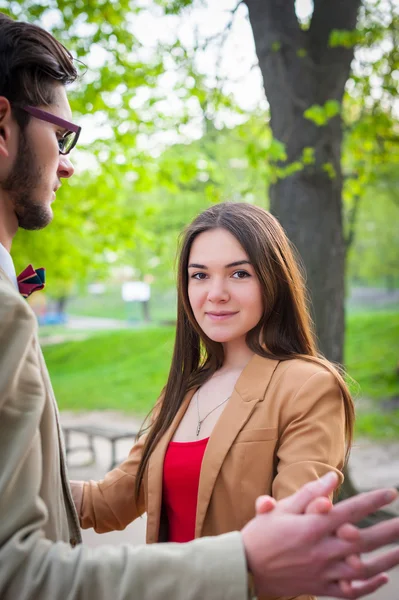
pixel 220 316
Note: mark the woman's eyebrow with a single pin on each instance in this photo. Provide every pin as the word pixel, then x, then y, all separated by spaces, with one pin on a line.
pixel 236 263
pixel 196 266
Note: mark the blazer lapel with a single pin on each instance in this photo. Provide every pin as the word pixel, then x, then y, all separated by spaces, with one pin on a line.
pixel 248 391
pixel 155 473
pixel 73 519
pixel 5 277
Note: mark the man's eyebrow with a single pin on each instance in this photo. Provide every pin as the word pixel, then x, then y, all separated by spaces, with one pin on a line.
pixel 236 263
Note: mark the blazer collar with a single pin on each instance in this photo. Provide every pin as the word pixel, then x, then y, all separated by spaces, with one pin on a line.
pixel 250 389
pixel 4 276
pixel 155 472
pixel 7 266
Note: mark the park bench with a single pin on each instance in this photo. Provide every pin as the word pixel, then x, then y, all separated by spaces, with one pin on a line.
pixel 112 434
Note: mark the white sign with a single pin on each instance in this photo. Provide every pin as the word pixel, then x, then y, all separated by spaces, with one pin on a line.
pixel 96 288
pixel 135 291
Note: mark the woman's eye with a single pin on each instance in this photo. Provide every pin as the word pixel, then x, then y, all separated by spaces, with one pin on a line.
pixel 198 276
pixel 241 274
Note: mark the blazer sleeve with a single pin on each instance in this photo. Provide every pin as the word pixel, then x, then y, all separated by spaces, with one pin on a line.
pixel 35 568
pixel 110 504
pixel 312 434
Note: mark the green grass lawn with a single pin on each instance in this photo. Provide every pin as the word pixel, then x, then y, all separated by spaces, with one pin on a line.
pixel 123 370
pixel 372 356
pixel 126 370
pixel 110 305
pixel 372 352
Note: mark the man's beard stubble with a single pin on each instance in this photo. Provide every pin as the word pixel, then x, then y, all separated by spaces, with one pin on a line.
pixel 21 184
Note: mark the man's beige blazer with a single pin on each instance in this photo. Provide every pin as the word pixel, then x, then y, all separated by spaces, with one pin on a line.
pixel 283 426
pixel 38 523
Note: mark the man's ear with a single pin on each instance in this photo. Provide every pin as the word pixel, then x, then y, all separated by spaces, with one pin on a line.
pixel 5 126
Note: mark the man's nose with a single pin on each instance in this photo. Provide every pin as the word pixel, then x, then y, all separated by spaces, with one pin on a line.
pixel 65 168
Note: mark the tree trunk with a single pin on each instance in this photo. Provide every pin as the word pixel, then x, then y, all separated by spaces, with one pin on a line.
pixel 146 311
pixel 313 222
pixel 299 70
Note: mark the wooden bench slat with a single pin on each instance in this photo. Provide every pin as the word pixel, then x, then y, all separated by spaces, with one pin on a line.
pixel 109 433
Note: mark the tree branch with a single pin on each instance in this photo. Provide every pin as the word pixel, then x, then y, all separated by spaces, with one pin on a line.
pixel 221 36
pixel 327 16
pixel 270 21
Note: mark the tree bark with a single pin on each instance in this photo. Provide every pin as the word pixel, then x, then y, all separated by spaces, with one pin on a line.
pixel 299 70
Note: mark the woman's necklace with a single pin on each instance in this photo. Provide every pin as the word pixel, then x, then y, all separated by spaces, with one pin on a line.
pixel 200 421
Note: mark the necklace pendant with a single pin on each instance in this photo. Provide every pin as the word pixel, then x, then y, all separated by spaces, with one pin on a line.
pixel 198 429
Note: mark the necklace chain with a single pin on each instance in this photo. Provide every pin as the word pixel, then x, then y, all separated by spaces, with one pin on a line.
pixel 200 421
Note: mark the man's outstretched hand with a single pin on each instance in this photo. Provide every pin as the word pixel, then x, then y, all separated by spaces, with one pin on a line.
pixel 304 545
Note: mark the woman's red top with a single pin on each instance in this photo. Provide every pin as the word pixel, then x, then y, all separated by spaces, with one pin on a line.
pixel 181 473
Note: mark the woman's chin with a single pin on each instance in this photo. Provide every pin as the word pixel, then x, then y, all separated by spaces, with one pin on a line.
pixel 220 337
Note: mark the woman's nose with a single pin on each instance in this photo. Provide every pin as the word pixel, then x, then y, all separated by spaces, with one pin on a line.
pixel 218 291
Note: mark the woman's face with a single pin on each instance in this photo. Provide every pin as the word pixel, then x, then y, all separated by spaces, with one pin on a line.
pixel 223 289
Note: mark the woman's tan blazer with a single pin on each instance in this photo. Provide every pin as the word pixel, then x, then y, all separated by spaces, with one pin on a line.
pixel 283 426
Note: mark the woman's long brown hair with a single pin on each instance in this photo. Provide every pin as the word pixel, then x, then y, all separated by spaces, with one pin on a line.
pixel 284 331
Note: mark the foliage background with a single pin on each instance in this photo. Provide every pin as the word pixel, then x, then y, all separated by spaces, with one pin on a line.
pixel 134 191
pixel 164 137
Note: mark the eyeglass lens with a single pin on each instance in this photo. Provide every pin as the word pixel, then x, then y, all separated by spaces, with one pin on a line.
pixel 66 142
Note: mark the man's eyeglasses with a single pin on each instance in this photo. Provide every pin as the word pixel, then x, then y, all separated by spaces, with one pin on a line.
pixel 69 138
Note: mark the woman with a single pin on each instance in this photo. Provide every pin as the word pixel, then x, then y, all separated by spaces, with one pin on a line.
pixel 249 407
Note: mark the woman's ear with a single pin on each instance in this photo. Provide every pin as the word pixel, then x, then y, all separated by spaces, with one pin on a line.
pixel 5 126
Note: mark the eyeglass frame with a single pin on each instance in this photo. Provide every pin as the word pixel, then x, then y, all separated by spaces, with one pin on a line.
pixel 43 115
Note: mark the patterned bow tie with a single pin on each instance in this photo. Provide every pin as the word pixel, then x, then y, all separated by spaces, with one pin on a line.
pixel 31 280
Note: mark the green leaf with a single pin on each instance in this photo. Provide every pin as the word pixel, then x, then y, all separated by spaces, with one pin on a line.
pixel 308 156
pixel 328 168
pixel 320 115
pixel 302 52
pixel 344 38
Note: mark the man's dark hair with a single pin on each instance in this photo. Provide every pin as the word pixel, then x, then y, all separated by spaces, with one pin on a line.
pixel 31 62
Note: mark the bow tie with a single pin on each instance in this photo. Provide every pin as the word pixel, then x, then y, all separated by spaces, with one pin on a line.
pixel 31 280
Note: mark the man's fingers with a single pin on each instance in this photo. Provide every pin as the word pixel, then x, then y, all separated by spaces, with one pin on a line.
pixel 379 535
pixel 360 506
pixel 351 567
pixel 348 533
pixel 298 502
pixel 387 561
pixel 319 506
pixel 357 589
pixel 354 568
pixel 350 540
pixel 377 564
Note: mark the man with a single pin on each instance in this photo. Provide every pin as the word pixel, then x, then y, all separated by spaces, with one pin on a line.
pixel 301 545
